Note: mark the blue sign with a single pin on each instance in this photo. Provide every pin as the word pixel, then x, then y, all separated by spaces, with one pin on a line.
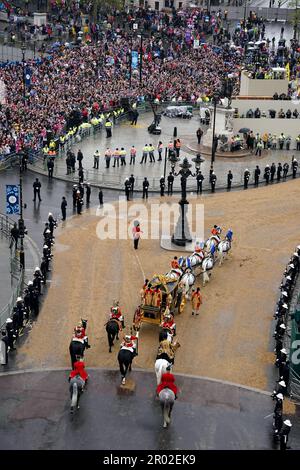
pixel 12 199
pixel 28 73
pixel 134 59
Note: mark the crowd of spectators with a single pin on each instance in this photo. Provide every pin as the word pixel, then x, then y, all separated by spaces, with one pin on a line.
pixel 94 77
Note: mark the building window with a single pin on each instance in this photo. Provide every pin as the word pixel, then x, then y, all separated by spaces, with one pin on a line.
pixel 156 5
pixel 167 4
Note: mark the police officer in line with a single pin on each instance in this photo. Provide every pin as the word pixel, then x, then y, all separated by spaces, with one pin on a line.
pixel 162 184
pixel 267 174
pixel 272 171
pixel 145 188
pixel 279 171
pixel 170 184
pixel 63 207
pixel 246 178
pixel 74 194
pixel 127 188
pixel 79 203
pixel 213 180
pixel 294 167
pixel 100 197
pixel 88 193
pixel 256 175
pixel 50 166
pixel 131 181
pixel 229 180
pixel 284 434
pixel 285 168
pixel 199 179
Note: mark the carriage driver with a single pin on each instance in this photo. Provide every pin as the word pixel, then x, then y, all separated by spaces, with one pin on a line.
pixel 168 322
pixel 129 343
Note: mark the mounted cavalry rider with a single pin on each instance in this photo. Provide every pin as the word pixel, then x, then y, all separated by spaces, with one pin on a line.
pixel 116 314
pixel 216 232
pixel 79 370
pixel 129 344
pixel 168 323
pixel 167 350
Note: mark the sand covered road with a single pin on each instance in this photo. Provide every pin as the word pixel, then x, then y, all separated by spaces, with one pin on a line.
pixel 230 340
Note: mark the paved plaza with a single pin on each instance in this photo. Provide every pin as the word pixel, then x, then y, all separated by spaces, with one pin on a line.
pixel 207 415
pixel 125 135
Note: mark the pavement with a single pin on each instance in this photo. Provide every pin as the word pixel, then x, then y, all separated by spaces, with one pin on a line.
pixel 35 414
pixel 125 135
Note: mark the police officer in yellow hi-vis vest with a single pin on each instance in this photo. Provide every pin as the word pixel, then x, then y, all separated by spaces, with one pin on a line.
pixel 108 126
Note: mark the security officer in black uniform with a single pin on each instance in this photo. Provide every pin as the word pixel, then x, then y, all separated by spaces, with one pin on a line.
pixel 127 188
pixel 131 181
pixel 145 188
pixel 246 178
pixel 267 174
pixel 229 180
pixel 199 179
pixel 294 167
pixel 88 193
pixel 272 171
pixel 162 186
pixel 256 175
pixel 170 184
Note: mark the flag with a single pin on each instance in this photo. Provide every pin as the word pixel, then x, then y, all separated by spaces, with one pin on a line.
pixel 12 199
pixel 28 73
pixel 287 68
pixel 134 59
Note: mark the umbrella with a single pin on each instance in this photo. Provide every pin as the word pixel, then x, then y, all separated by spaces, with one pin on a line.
pixel 244 130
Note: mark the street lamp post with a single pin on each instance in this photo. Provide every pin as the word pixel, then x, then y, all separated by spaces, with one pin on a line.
pixel 213 147
pixel 198 160
pixel 141 59
pixel 182 234
pixel 21 220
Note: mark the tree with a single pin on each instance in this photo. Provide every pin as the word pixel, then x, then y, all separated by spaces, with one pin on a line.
pixel 296 17
pixel 107 5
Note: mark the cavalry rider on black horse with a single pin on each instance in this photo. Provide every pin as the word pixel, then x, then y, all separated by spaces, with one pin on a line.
pixel 116 314
pixel 78 343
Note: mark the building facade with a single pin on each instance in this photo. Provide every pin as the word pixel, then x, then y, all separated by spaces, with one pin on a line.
pixel 161 4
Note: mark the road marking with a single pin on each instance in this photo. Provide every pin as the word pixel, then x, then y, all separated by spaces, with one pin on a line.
pixel 140 265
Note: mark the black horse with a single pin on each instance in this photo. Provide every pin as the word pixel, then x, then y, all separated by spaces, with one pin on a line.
pixel 112 329
pixel 164 333
pixel 76 349
pixel 125 358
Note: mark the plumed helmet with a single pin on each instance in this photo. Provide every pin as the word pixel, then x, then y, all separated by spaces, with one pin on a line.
pixel 282 383
pixel 127 338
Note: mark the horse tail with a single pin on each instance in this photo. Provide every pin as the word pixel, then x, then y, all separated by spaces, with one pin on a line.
pixel 74 396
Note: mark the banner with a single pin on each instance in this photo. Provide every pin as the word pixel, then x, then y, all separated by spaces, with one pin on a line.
pixel 12 199
pixel 28 73
pixel 134 59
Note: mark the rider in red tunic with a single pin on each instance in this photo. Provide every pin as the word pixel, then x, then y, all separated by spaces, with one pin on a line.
pixel 168 323
pixel 79 370
pixel 129 343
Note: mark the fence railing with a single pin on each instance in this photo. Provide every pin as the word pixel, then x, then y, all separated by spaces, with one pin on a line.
pixel 6 223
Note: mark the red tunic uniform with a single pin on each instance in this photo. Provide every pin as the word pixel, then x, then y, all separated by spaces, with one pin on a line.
pixel 167 381
pixel 79 370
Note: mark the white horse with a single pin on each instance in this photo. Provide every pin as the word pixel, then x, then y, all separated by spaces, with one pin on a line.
pixel 167 399
pixel 211 242
pixel 161 368
pixel 174 274
pixel 223 248
pixel 192 262
pixel 207 265
pixel 188 280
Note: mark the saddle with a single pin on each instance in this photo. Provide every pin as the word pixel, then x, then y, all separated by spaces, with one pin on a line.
pixel 117 322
